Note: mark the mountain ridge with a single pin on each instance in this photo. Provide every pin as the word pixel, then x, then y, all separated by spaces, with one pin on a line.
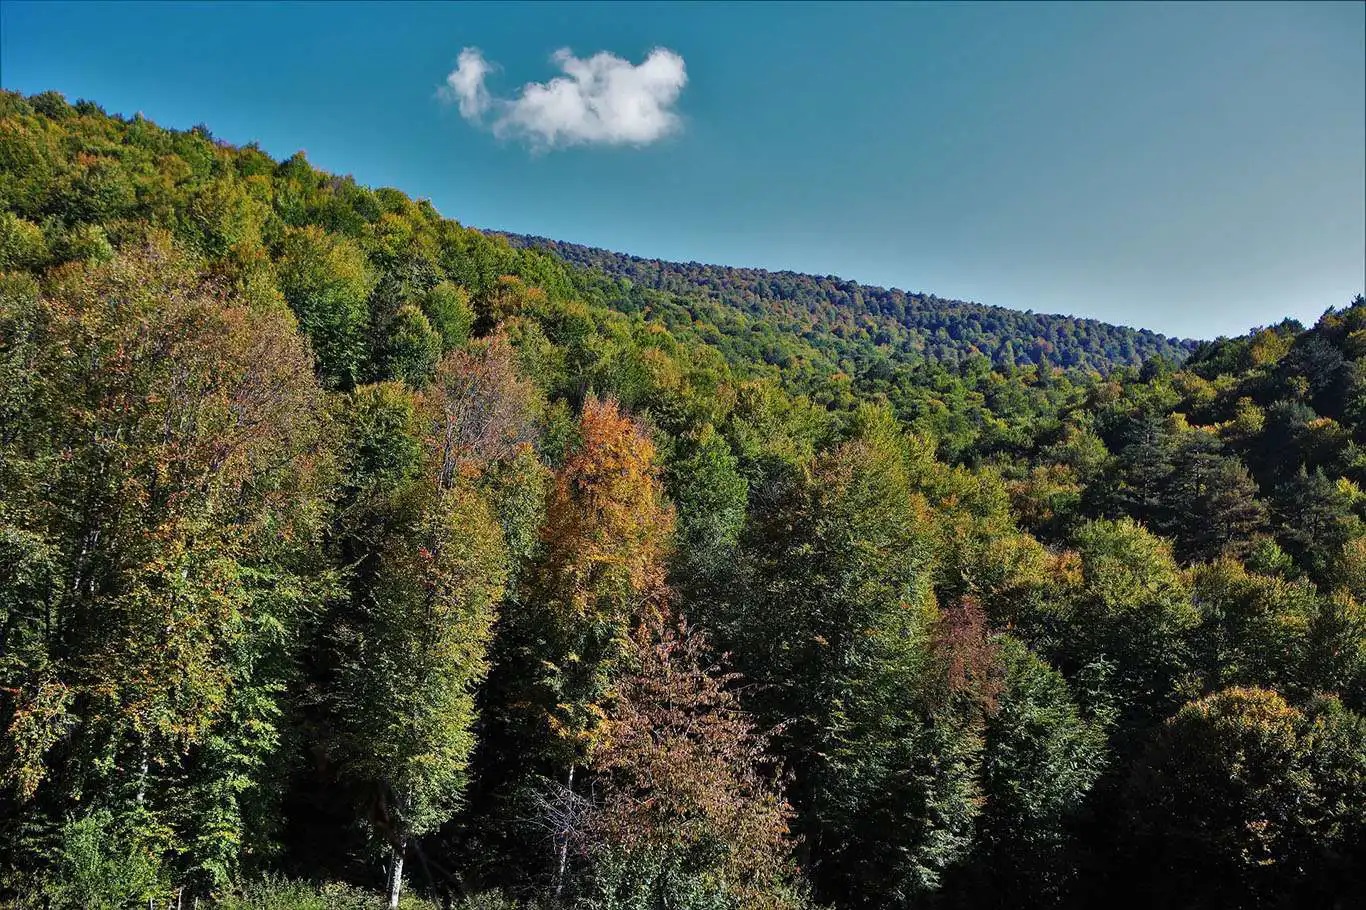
pixel 901 319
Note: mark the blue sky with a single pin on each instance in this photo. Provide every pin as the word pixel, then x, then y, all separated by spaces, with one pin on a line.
pixel 1196 169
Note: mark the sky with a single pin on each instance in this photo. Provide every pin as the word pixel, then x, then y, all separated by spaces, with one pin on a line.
pixel 1196 169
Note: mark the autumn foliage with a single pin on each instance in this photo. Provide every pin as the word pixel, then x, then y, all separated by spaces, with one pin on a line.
pixel 341 541
pixel 686 787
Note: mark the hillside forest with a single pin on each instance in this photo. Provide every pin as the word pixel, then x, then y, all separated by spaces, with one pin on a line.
pixel 352 558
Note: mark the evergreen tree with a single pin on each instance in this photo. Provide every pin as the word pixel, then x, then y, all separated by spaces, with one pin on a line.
pixel 1210 503
pixel 1316 519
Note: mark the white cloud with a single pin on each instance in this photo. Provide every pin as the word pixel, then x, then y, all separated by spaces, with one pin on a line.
pixel 465 84
pixel 600 100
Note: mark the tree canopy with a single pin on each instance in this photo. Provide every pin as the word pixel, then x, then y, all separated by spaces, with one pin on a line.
pixel 353 557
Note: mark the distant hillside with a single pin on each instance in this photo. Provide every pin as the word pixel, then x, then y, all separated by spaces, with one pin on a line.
pixel 910 323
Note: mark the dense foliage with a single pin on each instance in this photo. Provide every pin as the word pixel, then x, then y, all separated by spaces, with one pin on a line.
pixel 349 556
pixel 867 324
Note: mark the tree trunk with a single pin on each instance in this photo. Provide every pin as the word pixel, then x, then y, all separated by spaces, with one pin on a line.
pixel 144 767
pixel 396 872
pixel 564 843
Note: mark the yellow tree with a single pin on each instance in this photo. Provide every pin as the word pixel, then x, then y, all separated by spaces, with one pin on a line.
pixel 606 537
pixel 599 570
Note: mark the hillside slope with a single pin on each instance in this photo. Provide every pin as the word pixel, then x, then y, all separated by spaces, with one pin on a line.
pixel 337 536
pixel 911 324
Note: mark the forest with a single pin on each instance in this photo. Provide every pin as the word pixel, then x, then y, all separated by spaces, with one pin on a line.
pixel 844 314
pixel 353 558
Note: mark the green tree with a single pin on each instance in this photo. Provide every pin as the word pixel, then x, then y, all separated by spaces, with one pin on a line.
pixel 449 311
pixel 326 280
pixel 1210 502
pixel 1042 754
pixel 410 644
pixel 1130 606
pixel 22 245
pixel 837 632
pixel 1244 800
pixel 711 496
pixel 1316 519
pixel 161 487
pixel 411 347
pixel 1253 629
